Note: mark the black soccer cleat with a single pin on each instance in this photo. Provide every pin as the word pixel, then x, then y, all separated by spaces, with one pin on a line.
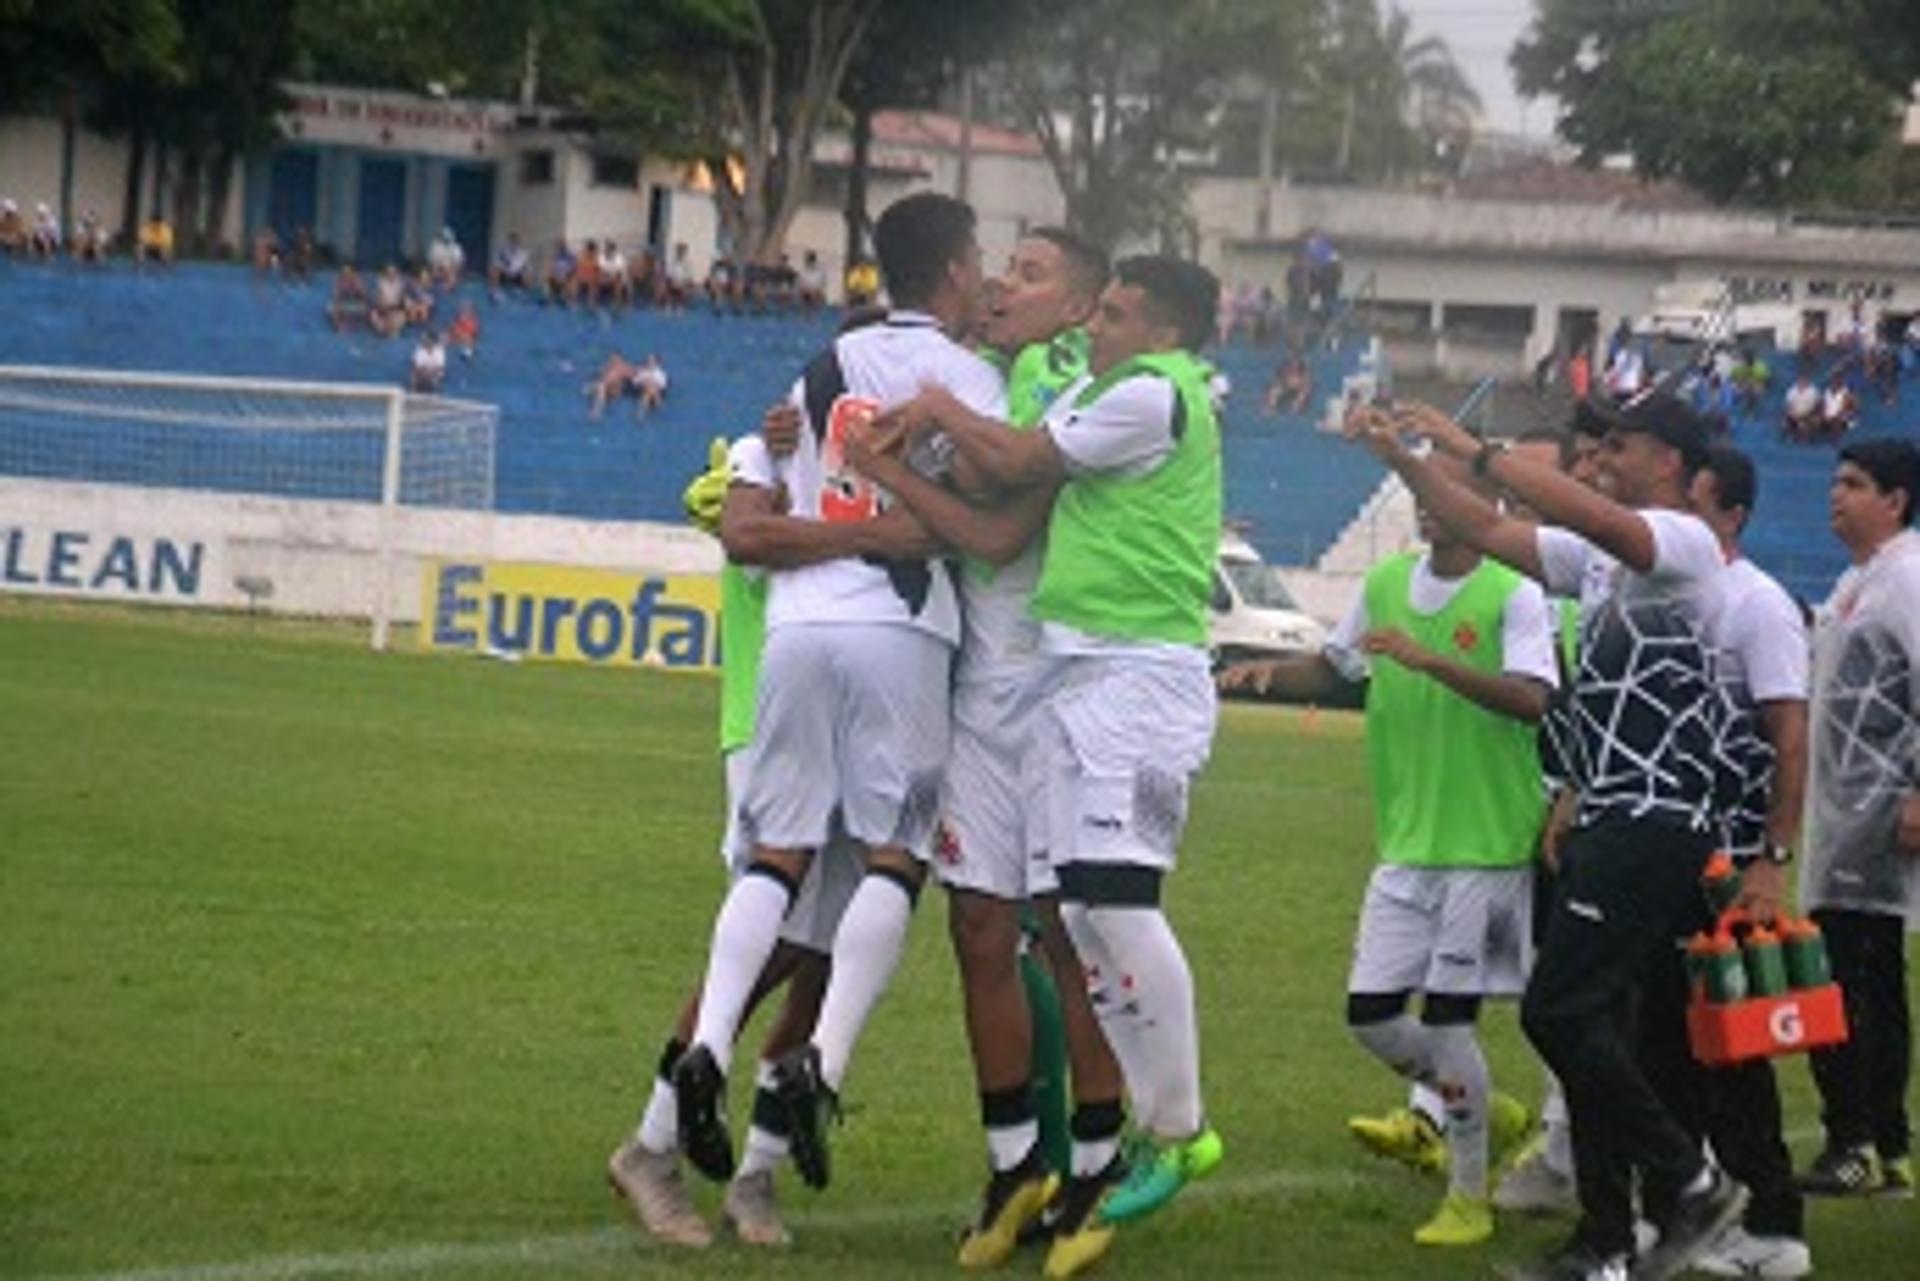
pixel 810 1107
pixel 1695 1223
pixel 700 1092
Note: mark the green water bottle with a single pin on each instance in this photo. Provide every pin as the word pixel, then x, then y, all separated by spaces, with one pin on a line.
pixel 1766 967
pixel 1806 955
pixel 1720 881
pixel 1726 974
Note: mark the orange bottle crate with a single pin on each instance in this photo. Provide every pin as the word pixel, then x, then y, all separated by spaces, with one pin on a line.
pixel 1766 1026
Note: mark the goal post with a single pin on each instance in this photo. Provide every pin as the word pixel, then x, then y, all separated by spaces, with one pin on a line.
pixel 348 459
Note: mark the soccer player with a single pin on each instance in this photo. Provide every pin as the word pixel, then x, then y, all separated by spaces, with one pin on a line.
pixel 1648 761
pixel 1457 650
pixel 734 499
pixel 991 846
pixel 853 706
pixel 1861 876
pixel 1122 599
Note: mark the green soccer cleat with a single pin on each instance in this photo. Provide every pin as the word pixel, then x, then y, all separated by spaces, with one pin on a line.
pixel 1896 1178
pixel 1509 1127
pixel 1460 1220
pixel 1402 1135
pixel 1156 1177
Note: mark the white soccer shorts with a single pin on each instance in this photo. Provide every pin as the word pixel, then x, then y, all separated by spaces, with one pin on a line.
pixel 1450 931
pixel 993 827
pixel 1120 742
pixel 833 873
pixel 854 718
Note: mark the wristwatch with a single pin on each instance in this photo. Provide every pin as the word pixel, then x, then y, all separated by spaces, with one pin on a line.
pixel 1777 854
pixel 1488 452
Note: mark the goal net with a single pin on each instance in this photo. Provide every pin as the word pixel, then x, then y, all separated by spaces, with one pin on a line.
pixel 332 443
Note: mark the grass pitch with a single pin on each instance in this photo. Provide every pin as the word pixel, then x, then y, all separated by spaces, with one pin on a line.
pixel 324 964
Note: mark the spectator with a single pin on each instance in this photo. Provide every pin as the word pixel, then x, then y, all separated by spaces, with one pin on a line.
pixel 349 307
pixel 89 239
pixel 863 284
pixel 155 243
pixel 418 300
pixel 13 229
pixel 1619 340
pixel 510 267
pixel 586 276
pixel 1839 407
pixel 648 284
pixel 649 386
pixel 266 252
pixel 446 259
pixel 1855 334
pixel 464 332
pixel 560 272
pixel 615 379
pixel 44 240
pixel 723 285
pixel 1883 368
pixel 1813 345
pixel 680 278
pixel 1751 381
pixel 1580 372
pixel 615 280
pixel 1292 385
pixel 1627 374
pixel 429 368
pixel 389 313
pixel 1802 409
pixel 300 257
pixel 813 282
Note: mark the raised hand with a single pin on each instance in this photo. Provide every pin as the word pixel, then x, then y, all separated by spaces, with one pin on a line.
pixel 1391 642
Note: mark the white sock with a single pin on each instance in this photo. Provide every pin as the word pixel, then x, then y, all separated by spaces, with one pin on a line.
pixel 1558 1129
pixel 766 1149
pixel 1154 970
pixel 744 935
pixel 659 1131
pixel 1115 1008
pixel 1008 1145
pixel 1424 1100
pixel 1461 1078
pixel 866 951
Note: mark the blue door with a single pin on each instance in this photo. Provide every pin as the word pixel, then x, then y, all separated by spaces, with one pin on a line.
pixel 470 211
pixel 383 212
pixel 293 193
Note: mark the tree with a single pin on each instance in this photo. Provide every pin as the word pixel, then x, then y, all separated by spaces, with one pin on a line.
pixel 1764 104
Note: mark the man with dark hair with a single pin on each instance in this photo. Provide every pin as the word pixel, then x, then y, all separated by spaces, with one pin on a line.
pixel 1860 878
pixel 1122 603
pixel 992 853
pixel 864 638
pixel 1762 666
pixel 1647 756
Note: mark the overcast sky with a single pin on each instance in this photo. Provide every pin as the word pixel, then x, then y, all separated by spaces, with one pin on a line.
pixel 1481 32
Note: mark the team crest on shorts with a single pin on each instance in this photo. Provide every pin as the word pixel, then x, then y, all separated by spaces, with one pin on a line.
pixel 946 846
pixel 1466 638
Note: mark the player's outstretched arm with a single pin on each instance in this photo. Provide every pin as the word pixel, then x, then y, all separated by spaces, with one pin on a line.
pixel 1469 517
pixel 1503 694
pixel 755 532
pixel 1305 678
pixel 1560 500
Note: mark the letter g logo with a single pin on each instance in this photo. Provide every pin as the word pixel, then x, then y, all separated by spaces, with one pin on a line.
pixel 1785 1025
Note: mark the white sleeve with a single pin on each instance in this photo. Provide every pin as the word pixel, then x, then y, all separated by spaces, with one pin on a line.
pixel 978 386
pixel 1129 426
pixel 1684 549
pixel 1563 560
pixel 749 462
pixel 1774 648
pixel 1342 647
pixel 1528 639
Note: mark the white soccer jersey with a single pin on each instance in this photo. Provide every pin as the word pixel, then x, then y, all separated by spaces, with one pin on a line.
pixel 867 371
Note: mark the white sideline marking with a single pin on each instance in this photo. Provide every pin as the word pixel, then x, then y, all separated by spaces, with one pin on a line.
pixel 430 1257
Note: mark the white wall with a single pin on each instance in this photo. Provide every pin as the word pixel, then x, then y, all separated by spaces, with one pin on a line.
pixel 30 173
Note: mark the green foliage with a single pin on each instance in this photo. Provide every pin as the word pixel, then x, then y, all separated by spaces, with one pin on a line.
pixel 1765 104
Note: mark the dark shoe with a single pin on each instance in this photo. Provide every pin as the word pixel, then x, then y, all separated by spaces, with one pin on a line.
pixel 1574 1261
pixel 1695 1224
pixel 810 1107
pixel 1844 1172
pixel 700 1092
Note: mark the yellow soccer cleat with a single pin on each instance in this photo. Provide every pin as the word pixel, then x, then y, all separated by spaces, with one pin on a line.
pixel 1014 1198
pixel 1509 1127
pixel 1402 1135
pixel 1460 1220
pixel 1081 1235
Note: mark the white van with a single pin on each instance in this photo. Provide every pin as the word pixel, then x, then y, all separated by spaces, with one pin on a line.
pixel 1253 613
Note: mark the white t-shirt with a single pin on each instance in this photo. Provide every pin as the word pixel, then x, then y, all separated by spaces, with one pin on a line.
pixel 651 376
pixel 1802 400
pixel 881 366
pixel 1836 403
pixel 1528 635
pixel 1688 568
pixel 1127 431
pixel 1763 649
pixel 430 359
pixel 613 262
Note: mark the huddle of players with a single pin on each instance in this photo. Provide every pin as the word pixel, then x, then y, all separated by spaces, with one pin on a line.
pixel 986 583
pixel 1685 729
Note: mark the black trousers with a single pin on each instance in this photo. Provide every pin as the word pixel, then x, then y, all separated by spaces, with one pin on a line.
pixel 1737 1108
pixel 1863 1084
pixel 1628 889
